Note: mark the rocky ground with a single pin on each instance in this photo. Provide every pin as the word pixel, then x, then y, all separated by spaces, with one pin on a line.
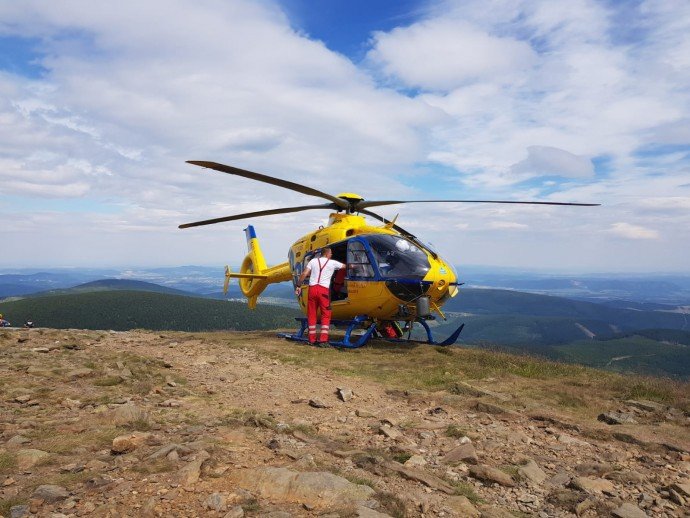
pixel 234 424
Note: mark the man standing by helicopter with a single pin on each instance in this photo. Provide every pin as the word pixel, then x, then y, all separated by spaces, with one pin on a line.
pixel 320 270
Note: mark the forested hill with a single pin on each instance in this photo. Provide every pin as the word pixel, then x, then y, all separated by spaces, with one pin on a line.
pixel 123 310
pixel 482 302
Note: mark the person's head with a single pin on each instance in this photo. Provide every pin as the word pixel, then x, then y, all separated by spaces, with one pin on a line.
pixel 327 252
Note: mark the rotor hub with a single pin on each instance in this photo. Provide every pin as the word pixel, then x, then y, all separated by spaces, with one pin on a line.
pixel 351 198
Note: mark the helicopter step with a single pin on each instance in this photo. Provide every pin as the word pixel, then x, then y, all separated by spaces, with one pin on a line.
pixel 356 323
pixel 350 325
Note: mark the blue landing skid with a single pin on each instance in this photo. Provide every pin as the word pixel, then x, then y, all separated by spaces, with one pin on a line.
pixel 350 325
pixel 430 337
pixel 356 323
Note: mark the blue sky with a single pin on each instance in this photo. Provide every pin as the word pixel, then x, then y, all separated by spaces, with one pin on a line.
pixel 346 27
pixel 589 101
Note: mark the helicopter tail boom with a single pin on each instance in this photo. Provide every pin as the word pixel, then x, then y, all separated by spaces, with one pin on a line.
pixel 254 273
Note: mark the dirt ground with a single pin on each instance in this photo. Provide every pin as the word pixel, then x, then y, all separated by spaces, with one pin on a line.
pixel 232 424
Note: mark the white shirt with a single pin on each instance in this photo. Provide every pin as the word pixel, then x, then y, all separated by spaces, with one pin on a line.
pixel 322 270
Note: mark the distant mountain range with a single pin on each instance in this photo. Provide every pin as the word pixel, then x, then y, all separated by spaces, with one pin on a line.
pixel 616 290
pixel 628 335
pixel 113 285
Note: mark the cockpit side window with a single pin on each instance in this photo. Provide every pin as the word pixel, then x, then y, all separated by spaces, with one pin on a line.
pixel 358 262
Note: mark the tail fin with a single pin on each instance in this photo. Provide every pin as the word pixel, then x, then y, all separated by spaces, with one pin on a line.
pixel 254 274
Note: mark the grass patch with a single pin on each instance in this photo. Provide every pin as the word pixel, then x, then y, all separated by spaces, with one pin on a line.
pixel 362 481
pixel 107 381
pixel 569 400
pixel 248 417
pixel 142 387
pixel 466 490
pixel 154 466
pixel 402 458
pixel 304 428
pixel 61 443
pixel 456 431
pixel 139 425
pixel 654 390
pixel 511 470
pixel 391 504
pixel 7 462
pixel 68 480
pixel 8 503
pixel 252 505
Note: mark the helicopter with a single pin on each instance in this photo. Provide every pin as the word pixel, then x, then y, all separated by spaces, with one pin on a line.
pixel 391 277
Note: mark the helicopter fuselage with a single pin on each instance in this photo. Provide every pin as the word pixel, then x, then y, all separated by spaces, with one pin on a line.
pixel 385 272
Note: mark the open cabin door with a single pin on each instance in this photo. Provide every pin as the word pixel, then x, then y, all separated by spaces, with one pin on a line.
pixel 338 282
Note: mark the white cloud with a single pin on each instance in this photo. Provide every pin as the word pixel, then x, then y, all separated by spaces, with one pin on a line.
pixel 507 225
pixel 545 160
pixel 630 231
pixel 445 53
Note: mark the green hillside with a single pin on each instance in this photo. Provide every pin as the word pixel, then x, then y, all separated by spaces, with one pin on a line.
pixel 671 336
pixel 524 329
pixel 122 310
pixel 507 302
pixel 631 354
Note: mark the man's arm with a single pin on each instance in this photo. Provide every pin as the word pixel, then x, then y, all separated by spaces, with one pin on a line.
pixel 299 287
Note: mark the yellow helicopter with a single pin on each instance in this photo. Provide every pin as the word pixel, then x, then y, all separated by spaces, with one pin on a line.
pixel 391 276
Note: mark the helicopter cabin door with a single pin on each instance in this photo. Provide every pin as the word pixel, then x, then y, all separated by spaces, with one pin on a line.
pixel 338 284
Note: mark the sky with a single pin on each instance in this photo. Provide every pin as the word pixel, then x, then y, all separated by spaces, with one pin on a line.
pixel 101 104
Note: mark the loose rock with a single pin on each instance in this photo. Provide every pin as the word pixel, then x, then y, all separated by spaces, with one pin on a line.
pixel 592 485
pixel 532 472
pixel 129 442
pixel 190 473
pixel 462 506
pixel 463 453
pixel 345 394
pixel 29 458
pixel 628 510
pixel 19 511
pixel 50 493
pixel 216 502
pixel 489 474
pixel 235 512
pixel 617 418
pixel 320 489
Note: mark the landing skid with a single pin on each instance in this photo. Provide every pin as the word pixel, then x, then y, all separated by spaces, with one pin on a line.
pixel 429 336
pixel 356 323
pixel 350 325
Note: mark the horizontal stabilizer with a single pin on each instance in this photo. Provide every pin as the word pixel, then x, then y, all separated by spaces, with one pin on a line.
pixel 247 276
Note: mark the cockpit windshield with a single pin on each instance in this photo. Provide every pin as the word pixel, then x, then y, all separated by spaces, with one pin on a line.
pixel 398 257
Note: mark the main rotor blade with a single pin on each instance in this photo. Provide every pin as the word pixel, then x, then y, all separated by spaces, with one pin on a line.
pixel 259 213
pixel 269 179
pixel 365 204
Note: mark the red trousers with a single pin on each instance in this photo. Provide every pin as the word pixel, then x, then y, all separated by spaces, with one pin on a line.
pixel 318 298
